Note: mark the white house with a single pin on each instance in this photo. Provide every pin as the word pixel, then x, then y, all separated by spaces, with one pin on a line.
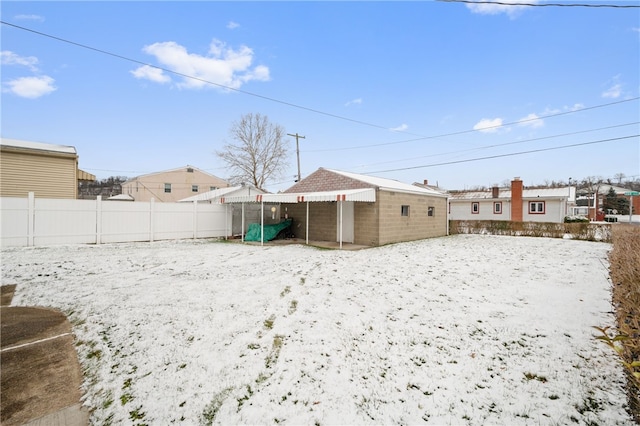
pixel 513 204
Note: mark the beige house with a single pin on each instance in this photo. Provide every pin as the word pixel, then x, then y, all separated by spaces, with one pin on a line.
pixel 49 171
pixel 172 185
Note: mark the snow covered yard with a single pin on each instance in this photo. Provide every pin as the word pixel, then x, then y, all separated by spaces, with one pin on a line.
pixel 468 329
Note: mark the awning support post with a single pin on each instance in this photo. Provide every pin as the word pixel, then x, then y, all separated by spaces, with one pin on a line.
pixel 242 230
pixel 340 224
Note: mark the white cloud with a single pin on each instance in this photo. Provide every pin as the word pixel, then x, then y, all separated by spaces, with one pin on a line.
pixel 488 125
pixel 532 120
pixel 232 25
pixel 222 65
pixel 357 101
pixel 613 92
pixel 400 128
pixel 574 107
pixel 37 18
pixel 31 87
pixel 512 9
pixel 10 58
pixel 147 72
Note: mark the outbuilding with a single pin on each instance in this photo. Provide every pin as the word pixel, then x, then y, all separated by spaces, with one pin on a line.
pixel 332 205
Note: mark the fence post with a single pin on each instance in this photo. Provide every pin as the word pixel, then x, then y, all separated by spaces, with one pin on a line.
pixel 151 218
pixel 99 219
pixel 31 211
pixel 195 219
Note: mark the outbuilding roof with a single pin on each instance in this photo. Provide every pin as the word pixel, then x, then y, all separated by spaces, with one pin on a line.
pixel 388 184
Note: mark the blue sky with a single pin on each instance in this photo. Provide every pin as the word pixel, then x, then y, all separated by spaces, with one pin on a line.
pixel 402 90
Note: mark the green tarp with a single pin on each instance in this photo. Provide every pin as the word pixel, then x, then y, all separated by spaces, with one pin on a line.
pixel 270 231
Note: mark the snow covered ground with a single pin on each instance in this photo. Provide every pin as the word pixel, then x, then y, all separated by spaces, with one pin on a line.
pixel 467 329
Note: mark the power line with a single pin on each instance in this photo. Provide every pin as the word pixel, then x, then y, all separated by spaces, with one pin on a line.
pixel 510 143
pixel 105 52
pixel 477 130
pixel 244 92
pixel 503 3
pixel 504 155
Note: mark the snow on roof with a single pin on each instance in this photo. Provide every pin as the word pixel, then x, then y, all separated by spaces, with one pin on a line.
pixel 40 146
pixel 121 197
pixel 219 193
pixel 388 184
pixel 567 191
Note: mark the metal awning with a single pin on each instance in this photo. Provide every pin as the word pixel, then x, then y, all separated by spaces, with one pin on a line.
pixel 367 195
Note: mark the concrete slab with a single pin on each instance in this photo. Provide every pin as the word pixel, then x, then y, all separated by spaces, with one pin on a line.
pixel 40 376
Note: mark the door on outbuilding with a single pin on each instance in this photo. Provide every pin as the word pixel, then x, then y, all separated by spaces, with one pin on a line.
pixel 348 218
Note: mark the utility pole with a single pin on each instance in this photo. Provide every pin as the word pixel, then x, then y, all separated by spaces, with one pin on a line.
pixel 297 152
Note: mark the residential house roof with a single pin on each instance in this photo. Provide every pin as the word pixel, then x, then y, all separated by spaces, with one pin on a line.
pixel 505 193
pixel 177 169
pixel 39 146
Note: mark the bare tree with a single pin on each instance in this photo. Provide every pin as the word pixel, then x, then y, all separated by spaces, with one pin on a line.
pixel 258 152
pixel 619 177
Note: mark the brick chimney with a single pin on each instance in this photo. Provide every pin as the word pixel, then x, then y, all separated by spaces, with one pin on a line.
pixel 495 192
pixel 516 200
pixel 426 182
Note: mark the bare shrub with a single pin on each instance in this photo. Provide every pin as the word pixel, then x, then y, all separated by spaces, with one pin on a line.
pixel 624 259
pixel 578 231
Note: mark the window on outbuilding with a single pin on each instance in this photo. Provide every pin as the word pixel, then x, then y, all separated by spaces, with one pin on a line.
pixel 497 207
pixel 167 188
pixel 405 211
pixel 475 208
pixel 431 211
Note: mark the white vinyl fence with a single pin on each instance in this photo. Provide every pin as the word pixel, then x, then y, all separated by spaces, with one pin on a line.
pixel 43 222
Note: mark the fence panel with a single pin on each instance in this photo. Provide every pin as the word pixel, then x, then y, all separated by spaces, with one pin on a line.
pixel 124 221
pixel 64 221
pixel 213 220
pixel 173 221
pixel 14 222
pixel 39 222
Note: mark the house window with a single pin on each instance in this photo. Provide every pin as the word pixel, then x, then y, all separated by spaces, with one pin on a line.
pixel 167 188
pixel 475 207
pixel 536 207
pixel 194 188
pixel 497 207
pixel 213 188
pixel 430 211
pixel 405 211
